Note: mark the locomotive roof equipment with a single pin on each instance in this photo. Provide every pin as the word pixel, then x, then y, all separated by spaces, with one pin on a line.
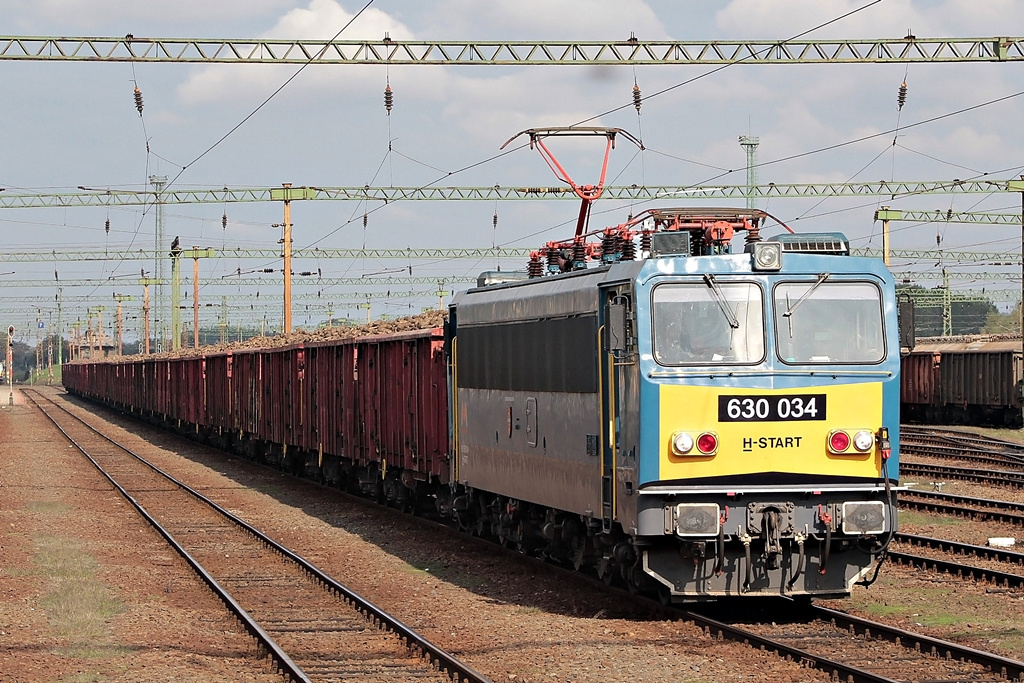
pixel 588 193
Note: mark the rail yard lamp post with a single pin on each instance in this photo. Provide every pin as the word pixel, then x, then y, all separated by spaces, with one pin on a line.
pixel 98 337
pixel 120 299
pixel 885 214
pixel 286 193
pixel 146 282
pixel 177 253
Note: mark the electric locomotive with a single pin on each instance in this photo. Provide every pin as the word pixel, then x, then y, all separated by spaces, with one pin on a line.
pixel 679 417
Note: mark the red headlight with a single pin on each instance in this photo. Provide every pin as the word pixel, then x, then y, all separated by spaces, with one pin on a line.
pixel 707 443
pixel 838 441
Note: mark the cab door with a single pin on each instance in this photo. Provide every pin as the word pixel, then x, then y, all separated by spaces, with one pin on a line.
pixel 617 358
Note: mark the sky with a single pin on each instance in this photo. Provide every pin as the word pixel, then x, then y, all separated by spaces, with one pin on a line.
pixel 75 124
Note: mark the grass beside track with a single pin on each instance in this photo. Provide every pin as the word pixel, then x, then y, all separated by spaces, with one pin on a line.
pixel 78 606
pixel 961 615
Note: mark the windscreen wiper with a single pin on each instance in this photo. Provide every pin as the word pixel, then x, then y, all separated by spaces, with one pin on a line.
pixel 722 303
pixel 790 309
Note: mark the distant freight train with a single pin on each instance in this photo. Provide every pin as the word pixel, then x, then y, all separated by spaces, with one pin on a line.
pixel 653 409
pixel 964 380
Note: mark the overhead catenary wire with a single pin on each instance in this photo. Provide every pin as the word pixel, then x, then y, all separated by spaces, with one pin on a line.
pixel 365 212
pixel 272 95
pixel 761 164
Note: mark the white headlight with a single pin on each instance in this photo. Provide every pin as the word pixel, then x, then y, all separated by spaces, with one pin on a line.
pixel 863 441
pixel 682 443
pixel 767 256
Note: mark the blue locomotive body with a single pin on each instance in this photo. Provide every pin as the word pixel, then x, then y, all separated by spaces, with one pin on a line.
pixel 702 425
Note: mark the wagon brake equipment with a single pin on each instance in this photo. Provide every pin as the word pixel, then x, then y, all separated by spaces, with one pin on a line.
pixel 588 193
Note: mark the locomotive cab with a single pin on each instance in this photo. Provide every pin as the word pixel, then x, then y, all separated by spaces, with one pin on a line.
pixel 767 420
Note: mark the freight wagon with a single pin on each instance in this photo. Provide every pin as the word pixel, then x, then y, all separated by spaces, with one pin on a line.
pixel 332 408
pixel 977 382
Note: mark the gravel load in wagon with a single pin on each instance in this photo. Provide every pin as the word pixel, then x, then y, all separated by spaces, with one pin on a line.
pixel 423 321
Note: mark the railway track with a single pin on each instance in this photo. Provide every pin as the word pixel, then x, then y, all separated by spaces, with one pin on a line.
pixel 861 650
pixel 956 567
pixel 955 453
pixel 313 627
pixel 964 446
pixel 1010 478
pixel 986 509
pixel 848 648
pixel 960 438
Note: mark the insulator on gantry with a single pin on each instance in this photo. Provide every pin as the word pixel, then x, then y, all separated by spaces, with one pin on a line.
pixel 389 98
pixel 494 220
pixel 224 221
pixel 901 97
pixel 636 97
pixel 138 100
pixel 107 226
pixel 364 220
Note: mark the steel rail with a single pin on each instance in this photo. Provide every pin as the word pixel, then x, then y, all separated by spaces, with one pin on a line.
pixel 957 569
pixel 284 662
pixel 225 195
pixel 838 670
pixel 439 657
pixel 1006 667
pixel 631 51
pixel 929 501
pixel 955 547
pixel 963 436
pixel 997 477
pixel 959 452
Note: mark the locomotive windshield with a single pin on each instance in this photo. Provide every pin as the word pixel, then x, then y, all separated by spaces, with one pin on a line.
pixel 828 322
pixel 708 322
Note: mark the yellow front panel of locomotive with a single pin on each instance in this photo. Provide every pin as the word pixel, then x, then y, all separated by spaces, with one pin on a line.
pixel 791 446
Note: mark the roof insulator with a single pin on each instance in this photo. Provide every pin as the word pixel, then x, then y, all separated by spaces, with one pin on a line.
pixel 389 99
pixel 636 97
pixel 138 100
pixel 901 97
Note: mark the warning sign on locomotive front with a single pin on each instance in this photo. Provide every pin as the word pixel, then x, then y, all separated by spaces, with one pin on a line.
pixel 771 408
